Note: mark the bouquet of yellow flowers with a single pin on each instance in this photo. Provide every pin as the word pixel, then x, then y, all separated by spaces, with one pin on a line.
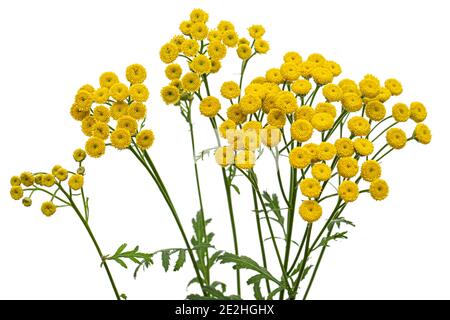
pixel 327 139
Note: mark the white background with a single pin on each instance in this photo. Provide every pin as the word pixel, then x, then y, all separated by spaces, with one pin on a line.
pixel 399 248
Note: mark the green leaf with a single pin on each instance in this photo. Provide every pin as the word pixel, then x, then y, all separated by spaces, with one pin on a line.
pixel 213 258
pixel 243 262
pixel 256 281
pixel 120 261
pixel 325 240
pixel 235 187
pixel 219 284
pixel 193 280
pixel 123 296
pixel 274 206
pixel 274 293
pixel 165 259
pixel 338 222
pixel 120 249
pixel 180 261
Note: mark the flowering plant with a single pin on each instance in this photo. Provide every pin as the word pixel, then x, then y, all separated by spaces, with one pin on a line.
pixel 327 142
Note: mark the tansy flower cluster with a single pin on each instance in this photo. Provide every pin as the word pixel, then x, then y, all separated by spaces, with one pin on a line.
pixel 59 185
pixel 114 113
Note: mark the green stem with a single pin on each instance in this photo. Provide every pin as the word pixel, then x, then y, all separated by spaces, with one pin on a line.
pixel 260 236
pixel 375 126
pixel 303 263
pixel 379 135
pixel 94 241
pixel 299 252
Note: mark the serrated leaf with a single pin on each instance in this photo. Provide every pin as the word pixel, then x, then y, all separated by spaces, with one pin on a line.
pixel 338 222
pixel 180 261
pixel 213 258
pixel 274 293
pixel 165 259
pixel 243 262
pixel 193 280
pixel 222 285
pixel 274 205
pixel 336 236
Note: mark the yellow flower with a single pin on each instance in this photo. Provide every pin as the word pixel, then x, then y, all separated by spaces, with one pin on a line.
pixel 61 174
pixel 224 156
pixel 274 75
pixel 290 71
pixel 216 50
pixel 326 151
pixel 363 147
pixel 252 125
pixel 235 113
pixel 418 112
pixel 243 41
pixel 235 139
pixel 250 104
pixel 198 15
pixel 178 41
pixel 201 64
pixel 55 169
pixel 306 68
pixel 269 102
pixel 127 123
pixel 276 118
pixel 322 121
pixel 173 71
pixel 261 46
pixel 394 86
pixel 299 158
pixel 422 133
pixel 313 150
pixel 190 47
pixel 225 26
pixel 316 59
pixel 77 113
pixel 310 210
pixel 170 94
pixel 379 189
pixel 87 125
pixel 27 179
pixel 375 110
pixel 214 35
pixel 137 110
pixel 351 102
pixel 301 87
pixel 230 90
pixel 332 92
pixel 210 106
pixel 348 191
pixel 95 147
pixel 87 87
pixel 321 171
pixel 100 130
pixel 344 147
pixel 383 95
pixel 145 139
pixel 190 82
pixel 27 202
pixel 108 79
pixel 136 73
pixel 396 138
pixel 84 100
pixel 119 109
pixel 199 31
pixel 101 95
pixel 230 38
pixel 400 112
pixel 79 155
pixel 270 136
pixel 139 92
pixel 16 192
pixel 48 208
pixel 48 179
pixel 168 53
pixel 334 67
pixel 321 75
pixel 327 108
pixel 369 87
pixel 305 113
pixel 256 31
pixel 244 51
pixel 119 91
pixel 245 159
pixel 286 101
pixel 301 130
pixel 251 140
pixel 292 56
pixel 185 27
pixel 370 170
pixel 225 126
pixel 347 167
pixel 15 181
pixel 310 188
pixel 102 114
pixel 359 126
pixel 215 65
pixel 121 138
pixel 76 182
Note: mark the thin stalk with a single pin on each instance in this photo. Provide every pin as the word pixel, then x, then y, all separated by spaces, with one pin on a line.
pixel 303 263
pixel 94 241
pixel 260 236
pixel 379 135
pixel 299 251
